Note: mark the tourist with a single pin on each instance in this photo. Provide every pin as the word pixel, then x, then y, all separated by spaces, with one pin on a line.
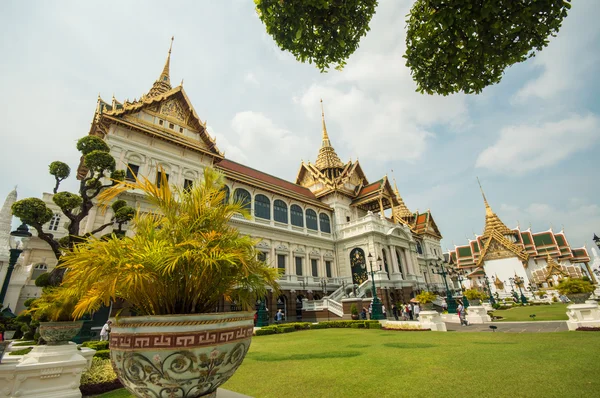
pixel 383 311
pixel 279 316
pixel 417 310
pixel 371 311
pixel 363 313
pixel 105 331
pixel 410 311
pixel 462 315
pixel 405 312
pixel 395 311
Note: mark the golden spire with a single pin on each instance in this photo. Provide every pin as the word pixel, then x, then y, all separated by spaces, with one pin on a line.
pixel 492 221
pixel 327 160
pixel 401 211
pixel 163 84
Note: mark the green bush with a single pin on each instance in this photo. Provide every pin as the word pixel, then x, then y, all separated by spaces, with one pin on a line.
pixel 96 345
pixel 374 325
pixel 426 297
pixel 299 325
pixel 24 344
pixel 101 371
pixel 496 306
pixel 358 326
pixel 353 309
pixel 263 332
pixel 574 286
pixel 286 329
pixel 102 354
pixel 318 326
pixel 472 294
pixel 24 351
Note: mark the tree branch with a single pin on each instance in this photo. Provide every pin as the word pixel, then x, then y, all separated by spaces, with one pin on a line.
pixel 100 228
pixel 49 239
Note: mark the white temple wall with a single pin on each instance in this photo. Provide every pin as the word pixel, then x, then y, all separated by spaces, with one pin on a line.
pixel 504 269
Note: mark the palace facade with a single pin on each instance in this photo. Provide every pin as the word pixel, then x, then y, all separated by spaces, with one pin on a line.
pixel 319 229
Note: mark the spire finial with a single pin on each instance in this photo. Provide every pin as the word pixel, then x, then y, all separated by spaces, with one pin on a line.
pixel 326 141
pixel 488 209
pixel 163 84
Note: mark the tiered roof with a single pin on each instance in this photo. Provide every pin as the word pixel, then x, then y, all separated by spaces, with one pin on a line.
pixel 554 268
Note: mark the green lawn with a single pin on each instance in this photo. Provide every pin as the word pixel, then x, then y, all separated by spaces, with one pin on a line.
pixel 376 363
pixel 553 312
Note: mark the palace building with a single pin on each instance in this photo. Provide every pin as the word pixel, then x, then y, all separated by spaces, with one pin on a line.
pixel 503 255
pixel 319 230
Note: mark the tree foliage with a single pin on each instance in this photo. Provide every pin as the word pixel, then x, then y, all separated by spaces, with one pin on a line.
pixel 325 32
pixel 100 165
pixel 465 45
pixel 451 45
pixel 182 259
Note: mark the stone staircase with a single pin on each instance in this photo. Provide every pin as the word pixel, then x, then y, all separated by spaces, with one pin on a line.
pixel 333 302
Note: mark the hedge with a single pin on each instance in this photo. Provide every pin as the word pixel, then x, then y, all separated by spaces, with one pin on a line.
pixel 24 351
pixel 102 354
pixel 263 332
pixel 96 345
pixel 100 378
pixel 24 344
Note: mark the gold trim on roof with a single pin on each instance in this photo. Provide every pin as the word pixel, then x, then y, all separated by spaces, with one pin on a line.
pixel 492 221
pixel 327 158
pixel 163 84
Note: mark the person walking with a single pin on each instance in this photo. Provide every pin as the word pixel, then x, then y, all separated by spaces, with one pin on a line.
pixel 105 332
pixel 363 314
pixel 383 311
pixel 462 316
pixel 417 310
pixel 395 311
pixel 410 311
pixel 279 316
pixel 405 312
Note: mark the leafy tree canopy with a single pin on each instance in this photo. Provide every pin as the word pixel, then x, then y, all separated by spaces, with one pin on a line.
pixel 98 161
pixel 60 170
pixel 32 211
pixel 91 143
pixel 67 201
pixel 325 32
pixel 451 45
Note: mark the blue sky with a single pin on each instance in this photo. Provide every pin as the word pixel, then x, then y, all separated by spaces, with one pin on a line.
pixel 532 139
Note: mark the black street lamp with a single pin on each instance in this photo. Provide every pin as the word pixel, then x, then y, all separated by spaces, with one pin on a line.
pixel 441 270
pixel 376 312
pixel 460 278
pixel 532 288
pixel 519 282
pixel 17 240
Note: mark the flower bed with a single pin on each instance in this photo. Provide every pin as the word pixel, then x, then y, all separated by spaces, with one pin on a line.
pixel 588 329
pixel 407 330
pixel 100 378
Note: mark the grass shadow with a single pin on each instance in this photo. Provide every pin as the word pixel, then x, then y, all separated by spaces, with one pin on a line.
pixel 409 345
pixel 301 357
pixel 492 342
pixel 358 346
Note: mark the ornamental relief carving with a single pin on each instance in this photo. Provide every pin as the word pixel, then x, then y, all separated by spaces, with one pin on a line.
pixel 497 251
pixel 174 109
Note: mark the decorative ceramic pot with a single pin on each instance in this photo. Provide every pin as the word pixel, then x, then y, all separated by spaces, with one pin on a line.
pixel 58 333
pixel 179 355
pixel 9 334
pixel 3 347
pixel 579 298
pixel 427 306
pixel 354 317
pixel 474 302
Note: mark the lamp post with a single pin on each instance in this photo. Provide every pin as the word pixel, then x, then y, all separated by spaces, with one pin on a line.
pixel 17 240
pixel 460 278
pixel 489 288
pixel 262 318
pixel 324 288
pixel 441 270
pixel 376 312
pixel 519 282
pixel 532 288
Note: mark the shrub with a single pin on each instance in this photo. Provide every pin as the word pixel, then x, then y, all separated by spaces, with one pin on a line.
pixel 263 332
pixel 472 294
pixel 496 306
pixel 24 344
pixel 574 286
pixel 99 378
pixel 357 326
pixel 318 326
pixel 554 299
pixel 96 345
pixel 426 297
pixel 286 329
pixel 376 325
pixel 353 309
pixel 299 325
pixel 24 351
pixel 102 354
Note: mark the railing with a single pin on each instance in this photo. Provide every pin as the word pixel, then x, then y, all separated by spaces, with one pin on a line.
pixel 334 307
pixel 325 304
pixel 337 294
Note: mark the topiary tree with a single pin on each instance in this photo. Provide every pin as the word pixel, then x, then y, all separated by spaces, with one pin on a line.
pixel 101 175
pixel 451 45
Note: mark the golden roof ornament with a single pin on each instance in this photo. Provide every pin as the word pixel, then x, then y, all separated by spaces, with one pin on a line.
pixel 163 84
pixel 327 158
pixel 400 211
pixel 492 221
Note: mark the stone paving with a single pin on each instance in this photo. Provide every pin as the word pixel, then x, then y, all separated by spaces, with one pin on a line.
pixel 512 327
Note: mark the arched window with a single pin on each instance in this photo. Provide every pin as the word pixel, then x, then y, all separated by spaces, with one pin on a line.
pixel 324 223
pixel 38 270
pixel 385 263
pixel 297 216
pixel 311 220
pixel 280 211
pixel 240 195
pixel 226 190
pixel 262 207
pixel 419 248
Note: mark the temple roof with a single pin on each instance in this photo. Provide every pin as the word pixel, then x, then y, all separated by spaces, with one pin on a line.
pixel 327 158
pixel 163 84
pixel 492 221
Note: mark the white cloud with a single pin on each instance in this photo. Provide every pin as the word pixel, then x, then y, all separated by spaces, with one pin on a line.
pixel 523 148
pixel 561 63
pixel 256 141
pixel 251 79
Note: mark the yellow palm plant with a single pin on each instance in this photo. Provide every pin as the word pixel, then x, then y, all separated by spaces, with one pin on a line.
pixel 183 258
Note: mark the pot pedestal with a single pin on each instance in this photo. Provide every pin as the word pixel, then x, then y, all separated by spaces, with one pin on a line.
pixel 47 371
pixel 432 320
pixel 583 315
pixel 477 314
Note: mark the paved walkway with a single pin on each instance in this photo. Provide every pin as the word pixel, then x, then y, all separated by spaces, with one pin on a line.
pixel 512 327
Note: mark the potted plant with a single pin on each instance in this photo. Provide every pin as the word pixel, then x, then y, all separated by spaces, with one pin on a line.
pixel 577 290
pixel 54 311
pixel 354 312
pixel 183 259
pixel 426 300
pixel 474 296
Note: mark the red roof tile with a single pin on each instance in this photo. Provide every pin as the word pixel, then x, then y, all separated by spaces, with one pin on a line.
pixel 370 188
pixel 265 178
